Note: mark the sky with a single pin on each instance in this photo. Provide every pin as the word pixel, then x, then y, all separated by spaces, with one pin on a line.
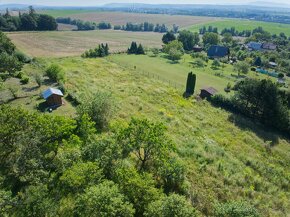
pixel 102 2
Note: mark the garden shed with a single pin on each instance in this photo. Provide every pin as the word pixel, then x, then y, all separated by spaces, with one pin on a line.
pixel 53 97
pixel 207 93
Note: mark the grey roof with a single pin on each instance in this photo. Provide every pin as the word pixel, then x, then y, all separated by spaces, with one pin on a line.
pixel 255 45
pixel 51 91
pixel 269 46
pixel 218 51
pixel 210 90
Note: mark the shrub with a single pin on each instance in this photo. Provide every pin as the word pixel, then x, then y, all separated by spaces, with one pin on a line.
pixel 228 88
pixel 22 57
pixel 38 79
pixel 55 73
pixel 19 75
pixel 235 209
pixel 99 108
pixel 62 87
pixel 24 80
pixel 14 91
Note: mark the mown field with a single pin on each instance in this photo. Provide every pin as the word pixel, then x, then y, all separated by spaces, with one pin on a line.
pixel 121 18
pixel 74 43
pixel 175 74
pixel 227 157
pixel 240 25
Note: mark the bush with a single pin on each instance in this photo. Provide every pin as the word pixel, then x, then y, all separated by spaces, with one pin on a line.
pixel 235 209
pixel 222 101
pixel 22 57
pixel 99 108
pixel 38 79
pixel 55 73
pixel 19 75
pixel 62 87
pixel 24 80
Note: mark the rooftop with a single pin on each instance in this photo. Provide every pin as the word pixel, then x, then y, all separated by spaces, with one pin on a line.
pixel 51 91
pixel 210 90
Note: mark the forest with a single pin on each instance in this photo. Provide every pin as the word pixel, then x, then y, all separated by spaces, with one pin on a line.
pixel 30 21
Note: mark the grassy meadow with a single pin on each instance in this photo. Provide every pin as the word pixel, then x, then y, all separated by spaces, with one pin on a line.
pixel 227 157
pixel 240 25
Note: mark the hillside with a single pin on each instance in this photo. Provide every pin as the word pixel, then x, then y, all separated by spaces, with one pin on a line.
pixel 227 157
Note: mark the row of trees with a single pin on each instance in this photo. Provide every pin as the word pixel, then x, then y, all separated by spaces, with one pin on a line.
pixel 144 27
pixel 30 21
pixel 232 30
pixel 83 25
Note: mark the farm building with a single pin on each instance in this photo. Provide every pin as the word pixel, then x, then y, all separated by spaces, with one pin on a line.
pixel 254 46
pixel 216 51
pixel 53 97
pixel 269 46
pixel 207 93
pixel 197 48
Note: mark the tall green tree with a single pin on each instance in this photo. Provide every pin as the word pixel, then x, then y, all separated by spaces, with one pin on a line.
pixel 173 205
pixel 188 39
pixel 147 141
pixel 168 37
pixel 103 200
pixel 210 38
pixel 190 84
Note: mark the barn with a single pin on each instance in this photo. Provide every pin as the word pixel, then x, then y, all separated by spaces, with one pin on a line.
pixel 216 51
pixel 53 97
pixel 207 93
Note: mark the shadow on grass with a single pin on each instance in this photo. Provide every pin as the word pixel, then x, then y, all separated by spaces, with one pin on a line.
pixel 267 134
pixel 43 107
pixel 30 89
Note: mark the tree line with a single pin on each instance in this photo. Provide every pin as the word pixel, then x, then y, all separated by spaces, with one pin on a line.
pixel 30 21
pixel 233 31
pixel 11 60
pixel 145 27
pixel 134 27
pixel 261 100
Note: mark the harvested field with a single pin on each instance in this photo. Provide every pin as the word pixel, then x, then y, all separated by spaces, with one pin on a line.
pixel 121 18
pixel 74 43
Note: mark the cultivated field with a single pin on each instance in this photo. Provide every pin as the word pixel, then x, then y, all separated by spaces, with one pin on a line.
pixel 121 18
pixel 74 43
pixel 240 25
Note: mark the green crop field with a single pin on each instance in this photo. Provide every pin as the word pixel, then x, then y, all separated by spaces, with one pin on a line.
pixel 240 25
pixel 227 157
pixel 65 13
pixel 74 43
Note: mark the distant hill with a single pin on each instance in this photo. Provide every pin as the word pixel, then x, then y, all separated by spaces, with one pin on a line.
pixel 269 4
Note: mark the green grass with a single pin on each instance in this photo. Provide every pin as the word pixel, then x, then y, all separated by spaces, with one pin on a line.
pixel 175 74
pixel 227 157
pixel 66 13
pixel 240 25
